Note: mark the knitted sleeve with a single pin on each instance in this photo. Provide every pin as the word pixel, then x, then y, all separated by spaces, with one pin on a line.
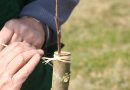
pixel 44 11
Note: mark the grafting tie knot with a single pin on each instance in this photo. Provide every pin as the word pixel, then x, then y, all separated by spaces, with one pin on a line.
pixel 55 58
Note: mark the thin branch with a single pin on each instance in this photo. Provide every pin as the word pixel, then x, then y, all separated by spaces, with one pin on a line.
pixel 57 28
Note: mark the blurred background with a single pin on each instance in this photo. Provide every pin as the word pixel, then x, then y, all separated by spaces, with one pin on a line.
pixel 98 36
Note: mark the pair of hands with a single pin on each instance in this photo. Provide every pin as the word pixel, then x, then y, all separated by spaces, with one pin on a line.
pixel 24 38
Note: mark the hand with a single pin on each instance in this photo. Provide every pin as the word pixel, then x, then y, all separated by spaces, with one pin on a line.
pixel 25 29
pixel 17 61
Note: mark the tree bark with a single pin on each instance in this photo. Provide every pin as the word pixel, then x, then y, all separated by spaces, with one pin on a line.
pixel 61 71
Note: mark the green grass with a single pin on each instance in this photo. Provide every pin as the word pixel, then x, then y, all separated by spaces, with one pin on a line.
pixel 98 36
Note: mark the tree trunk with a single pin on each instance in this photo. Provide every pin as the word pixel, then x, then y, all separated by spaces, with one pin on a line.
pixel 61 71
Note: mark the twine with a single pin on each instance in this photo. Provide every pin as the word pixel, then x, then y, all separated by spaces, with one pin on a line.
pixel 47 59
pixel 3 45
pixel 56 58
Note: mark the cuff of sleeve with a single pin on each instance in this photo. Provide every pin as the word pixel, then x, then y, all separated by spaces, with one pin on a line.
pixel 50 37
pixel 38 12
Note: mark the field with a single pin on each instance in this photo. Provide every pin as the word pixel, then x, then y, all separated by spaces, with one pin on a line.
pixel 98 36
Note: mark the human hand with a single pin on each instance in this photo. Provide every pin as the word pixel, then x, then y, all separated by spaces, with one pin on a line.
pixel 17 61
pixel 25 29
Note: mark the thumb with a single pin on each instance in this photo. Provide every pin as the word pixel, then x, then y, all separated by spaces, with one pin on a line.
pixel 5 36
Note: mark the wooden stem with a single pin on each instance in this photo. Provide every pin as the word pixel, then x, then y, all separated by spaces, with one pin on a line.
pixel 57 28
pixel 61 72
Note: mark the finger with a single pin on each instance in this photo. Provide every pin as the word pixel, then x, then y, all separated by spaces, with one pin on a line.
pixel 7 58
pixel 12 46
pixel 23 73
pixel 15 38
pixel 18 62
pixel 5 36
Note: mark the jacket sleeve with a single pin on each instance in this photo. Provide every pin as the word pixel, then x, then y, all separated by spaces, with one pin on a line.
pixel 44 11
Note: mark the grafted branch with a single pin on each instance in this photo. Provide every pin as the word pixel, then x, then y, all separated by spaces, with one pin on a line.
pixel 57 28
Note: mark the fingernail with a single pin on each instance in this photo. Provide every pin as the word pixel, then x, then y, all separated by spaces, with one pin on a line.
pixel 37 55
pixel 40 51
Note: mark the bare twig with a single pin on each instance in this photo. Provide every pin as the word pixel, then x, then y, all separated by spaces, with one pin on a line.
pixel 57 28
